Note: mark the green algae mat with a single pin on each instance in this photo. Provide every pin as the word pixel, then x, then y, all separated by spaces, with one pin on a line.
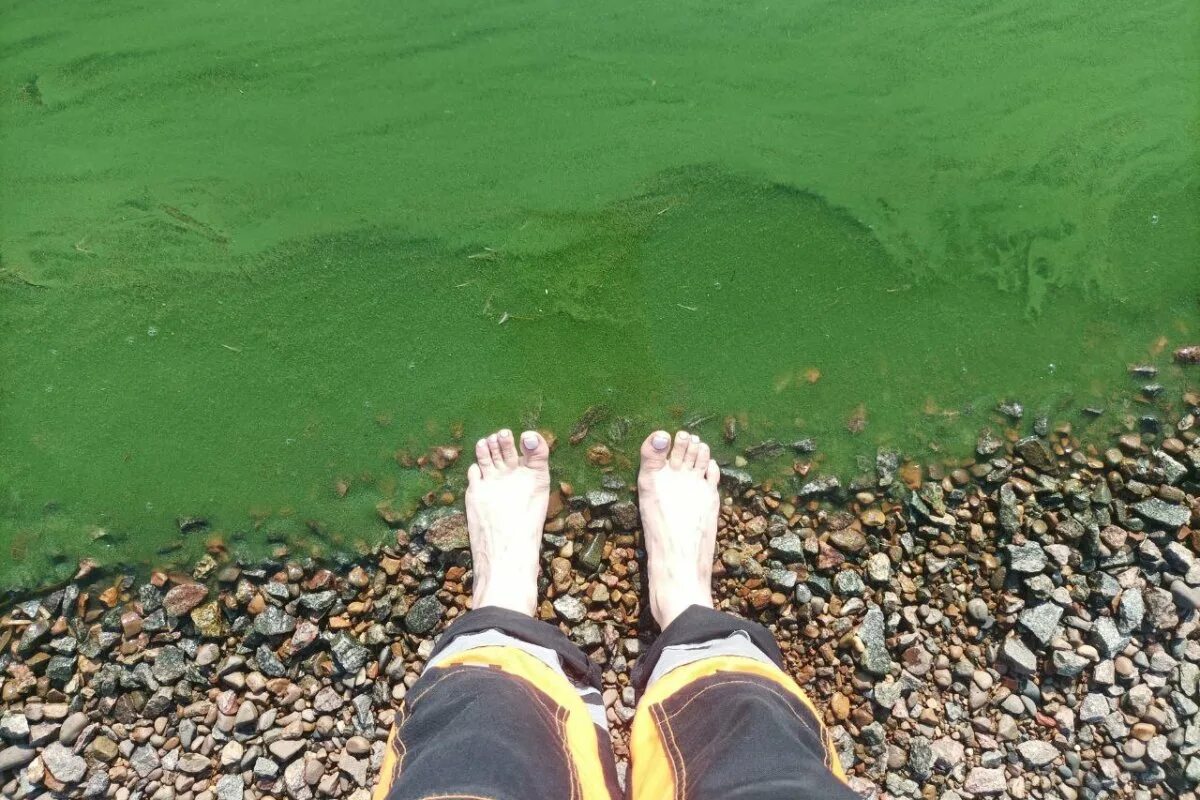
pixel 250 252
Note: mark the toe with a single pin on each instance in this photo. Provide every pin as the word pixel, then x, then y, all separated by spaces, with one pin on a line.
pixel 483 458
pixel 536 451
pixel 493 443
pixel 712 473
pixel 654 450
pixel 679 449
pixel 692 453
pixel 508 448
pixel 703 457
pixel 474 474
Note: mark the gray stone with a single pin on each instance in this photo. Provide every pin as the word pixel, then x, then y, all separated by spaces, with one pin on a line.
pixel 920 758
pixel 170 664
pixel 230 787
pixel 294 782
pixel 1037 753
pixel 873 635
pixel 317 602
pixel 274 621
pixel 72 726
pixel 327 700
pixel 1094 708
pixel 879 568
pixel 591 555
pixel 848 583
pixel 822 485
pixel 977 609
pixel 984 781
pixel 286 749
pixel 144 760
pixel 1131 610
pixel 1008 513
pixel 1027 558
pixel 349 654
pixel 788 548
pixel 1068 664
pixel 64 765
pixel 15 756
pixel 14 727
pixel 424 615
pixel 1107 638
pixel 1036 453
pixel 570 608
pixel 1016 653
pixel 1041 621
pixel 265 769
pixel 193 764
pixel 1168 515
pixel 947 753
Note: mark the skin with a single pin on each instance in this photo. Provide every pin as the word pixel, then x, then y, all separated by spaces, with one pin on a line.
pixel 507 496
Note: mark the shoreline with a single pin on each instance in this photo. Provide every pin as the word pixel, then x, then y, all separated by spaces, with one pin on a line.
pixel 1022 626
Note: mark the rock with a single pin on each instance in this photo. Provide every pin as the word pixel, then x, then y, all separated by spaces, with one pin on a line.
pixel 14 727
pixel 570 608
pixel 1027 558
pixel 982 781
pixel 872 633
pixel 15 756
pixel 170 664
pixel 230 787
pixel 1041 621
pixel 193 764
pixel 103 749
pixel 1131 610
pixel 64 765
pixel 823 485
pixel 274 621
pixel 1018 655
pixel 449 533
pixel 1068 664
pixel 1008 512
pixel 591 555
pixel 1036 453
pixel 183 597
pixel 788 548
pixel 208 621
pixel 1037 753
pixel 947 753
pixel 977 609
pixel 348 653
pixel 317 602
pixel 735 480
pixel 72 726
pixel 1169 515
pixel 144 760
pixel 286 749
pixel 848 540
pixel 1107 638
pixel 424 615
pixel 327 700
pixel 879 568
pixel 294 782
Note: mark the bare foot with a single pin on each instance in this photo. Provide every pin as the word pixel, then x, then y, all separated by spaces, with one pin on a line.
pixel 507 496
pixel 677 493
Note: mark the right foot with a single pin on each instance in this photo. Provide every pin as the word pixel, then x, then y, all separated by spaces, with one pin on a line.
pixel 507 495
pixel 677 494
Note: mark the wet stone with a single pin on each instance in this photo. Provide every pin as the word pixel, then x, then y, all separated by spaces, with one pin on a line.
pixel 170 664
pixel 449 533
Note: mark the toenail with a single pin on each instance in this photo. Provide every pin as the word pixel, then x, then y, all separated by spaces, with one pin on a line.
pixel 660 441
pixel 506 434
pixel 695 439
pixel 530 439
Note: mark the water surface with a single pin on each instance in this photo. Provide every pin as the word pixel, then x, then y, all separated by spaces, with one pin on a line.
pixel 248 253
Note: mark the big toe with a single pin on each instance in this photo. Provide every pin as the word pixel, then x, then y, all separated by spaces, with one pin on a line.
pixel 535 451
pixel 655 450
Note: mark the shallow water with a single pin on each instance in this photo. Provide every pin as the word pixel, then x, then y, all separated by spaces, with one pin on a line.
pixel 249 252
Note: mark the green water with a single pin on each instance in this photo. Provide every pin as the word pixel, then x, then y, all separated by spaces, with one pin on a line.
pixel 250 250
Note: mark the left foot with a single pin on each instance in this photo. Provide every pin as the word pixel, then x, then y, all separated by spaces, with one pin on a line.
pixel 507 495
